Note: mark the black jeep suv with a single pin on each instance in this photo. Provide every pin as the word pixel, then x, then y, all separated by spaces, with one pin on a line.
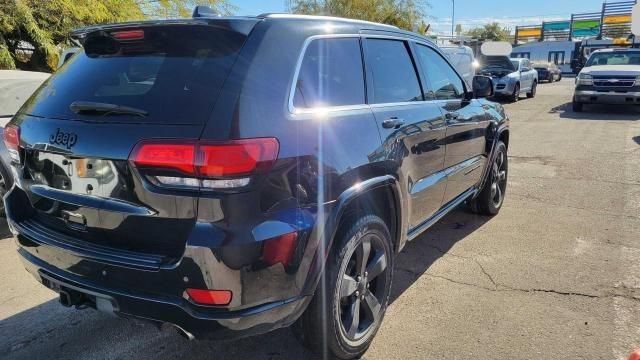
pixel 230 176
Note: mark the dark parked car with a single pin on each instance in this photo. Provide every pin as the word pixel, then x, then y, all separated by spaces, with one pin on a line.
pixel 549 72
pixel 232 176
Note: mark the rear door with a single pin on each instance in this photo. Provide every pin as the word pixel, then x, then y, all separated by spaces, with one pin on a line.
pixel 527 74
pixel 412 129
pixel 465 121
pixel 79 129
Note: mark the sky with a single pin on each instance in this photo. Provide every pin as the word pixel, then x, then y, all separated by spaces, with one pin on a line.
pixel 469 13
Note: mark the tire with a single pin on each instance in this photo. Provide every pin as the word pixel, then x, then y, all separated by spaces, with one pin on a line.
pixel 551 78
pixel 531 94
pixel 577 106
pixel 516 94
pixel 491 197
pixel 560 77
pixel 350 290
pixel 3 191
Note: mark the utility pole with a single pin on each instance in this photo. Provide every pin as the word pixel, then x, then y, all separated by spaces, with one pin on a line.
pixel 453 15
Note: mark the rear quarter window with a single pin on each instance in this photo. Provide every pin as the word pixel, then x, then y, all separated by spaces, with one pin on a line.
pixel 331 74
pixel 174 73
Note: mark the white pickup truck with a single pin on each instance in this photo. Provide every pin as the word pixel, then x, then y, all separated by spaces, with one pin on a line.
pixel 610 76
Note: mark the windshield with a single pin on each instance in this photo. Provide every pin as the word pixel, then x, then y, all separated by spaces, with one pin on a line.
pixel 615 58
pixel 172 75
pixel 497 63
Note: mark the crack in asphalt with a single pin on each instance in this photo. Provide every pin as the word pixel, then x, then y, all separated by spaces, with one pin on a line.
pixel 444 253
pixel 499 287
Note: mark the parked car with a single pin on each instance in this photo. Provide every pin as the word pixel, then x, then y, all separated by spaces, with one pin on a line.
pixel 462 59
pixel 241 179
pixel 15 88
pixel 548 72
pixel 610 76
pixel 511 77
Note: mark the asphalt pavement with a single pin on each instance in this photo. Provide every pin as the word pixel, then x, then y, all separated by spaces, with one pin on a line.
pixel 554 276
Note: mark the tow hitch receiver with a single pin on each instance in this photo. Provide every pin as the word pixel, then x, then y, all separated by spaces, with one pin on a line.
pixel 70 297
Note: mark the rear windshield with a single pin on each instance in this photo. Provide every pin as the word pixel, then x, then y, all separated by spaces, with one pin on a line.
pixel 171 74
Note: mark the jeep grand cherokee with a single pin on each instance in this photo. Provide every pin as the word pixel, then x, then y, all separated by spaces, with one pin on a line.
pixel 231 176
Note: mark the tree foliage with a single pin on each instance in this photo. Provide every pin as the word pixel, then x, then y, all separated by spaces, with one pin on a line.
pixel 33 32
pixel 491 32
pixel 406 14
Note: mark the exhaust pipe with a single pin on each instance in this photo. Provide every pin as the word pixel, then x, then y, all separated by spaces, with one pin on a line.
pixel 181 331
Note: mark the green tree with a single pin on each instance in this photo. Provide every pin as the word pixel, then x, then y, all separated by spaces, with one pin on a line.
pixel 406 14
pixel 491 31
pixel 33 32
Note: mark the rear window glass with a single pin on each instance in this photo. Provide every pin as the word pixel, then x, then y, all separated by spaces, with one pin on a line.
pixel 394 77
pixel 331 74
pixel 173 74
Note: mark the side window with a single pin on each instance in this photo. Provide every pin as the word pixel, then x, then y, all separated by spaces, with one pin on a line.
pixel 331 74
pixel 443 80
pixel 394 76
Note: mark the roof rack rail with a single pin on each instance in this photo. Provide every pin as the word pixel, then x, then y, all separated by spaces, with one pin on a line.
pixel 322 17
pixel 203 11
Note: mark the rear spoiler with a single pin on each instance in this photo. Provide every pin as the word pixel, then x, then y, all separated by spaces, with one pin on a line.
pixel 242 25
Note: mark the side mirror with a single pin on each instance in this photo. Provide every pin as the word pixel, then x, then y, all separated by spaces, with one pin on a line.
pixel 482 87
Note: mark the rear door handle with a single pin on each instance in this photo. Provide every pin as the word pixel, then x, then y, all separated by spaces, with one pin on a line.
pixel 392 123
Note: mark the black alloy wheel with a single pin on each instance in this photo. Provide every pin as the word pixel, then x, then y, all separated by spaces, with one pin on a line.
pixel 363 288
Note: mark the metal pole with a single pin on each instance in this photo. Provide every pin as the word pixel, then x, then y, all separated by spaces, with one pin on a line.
pixel 453 15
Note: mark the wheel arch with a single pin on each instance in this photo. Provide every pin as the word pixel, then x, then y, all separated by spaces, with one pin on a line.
pixel 380 196
pixel 501 134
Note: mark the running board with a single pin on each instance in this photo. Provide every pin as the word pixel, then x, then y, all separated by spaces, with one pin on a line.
pixel 415 232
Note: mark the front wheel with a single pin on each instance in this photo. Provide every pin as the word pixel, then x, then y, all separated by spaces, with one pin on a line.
pixel 516 94
pixel 491 197
pixel 351 299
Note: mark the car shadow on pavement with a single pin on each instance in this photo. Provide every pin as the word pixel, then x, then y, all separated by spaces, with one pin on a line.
pixel 60 332
pixel 418 255
pixel 598 112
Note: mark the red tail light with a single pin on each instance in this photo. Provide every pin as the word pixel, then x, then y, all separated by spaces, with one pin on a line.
pixel 12 137
pixel 210 297
pixel 12 141
pixel 167 156
pixel 227 161
pixel 280 249
pixel 237 158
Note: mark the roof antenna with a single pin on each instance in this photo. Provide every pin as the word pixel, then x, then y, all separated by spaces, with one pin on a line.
pixel 203 11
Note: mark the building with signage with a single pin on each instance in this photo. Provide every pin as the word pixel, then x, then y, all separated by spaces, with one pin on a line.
pixel 555 41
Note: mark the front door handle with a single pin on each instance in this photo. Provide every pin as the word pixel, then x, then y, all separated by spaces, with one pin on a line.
pixel 392 123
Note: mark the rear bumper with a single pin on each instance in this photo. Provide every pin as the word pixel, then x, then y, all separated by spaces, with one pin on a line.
pixel 199 321
pixel 610 97
pixel 265 297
